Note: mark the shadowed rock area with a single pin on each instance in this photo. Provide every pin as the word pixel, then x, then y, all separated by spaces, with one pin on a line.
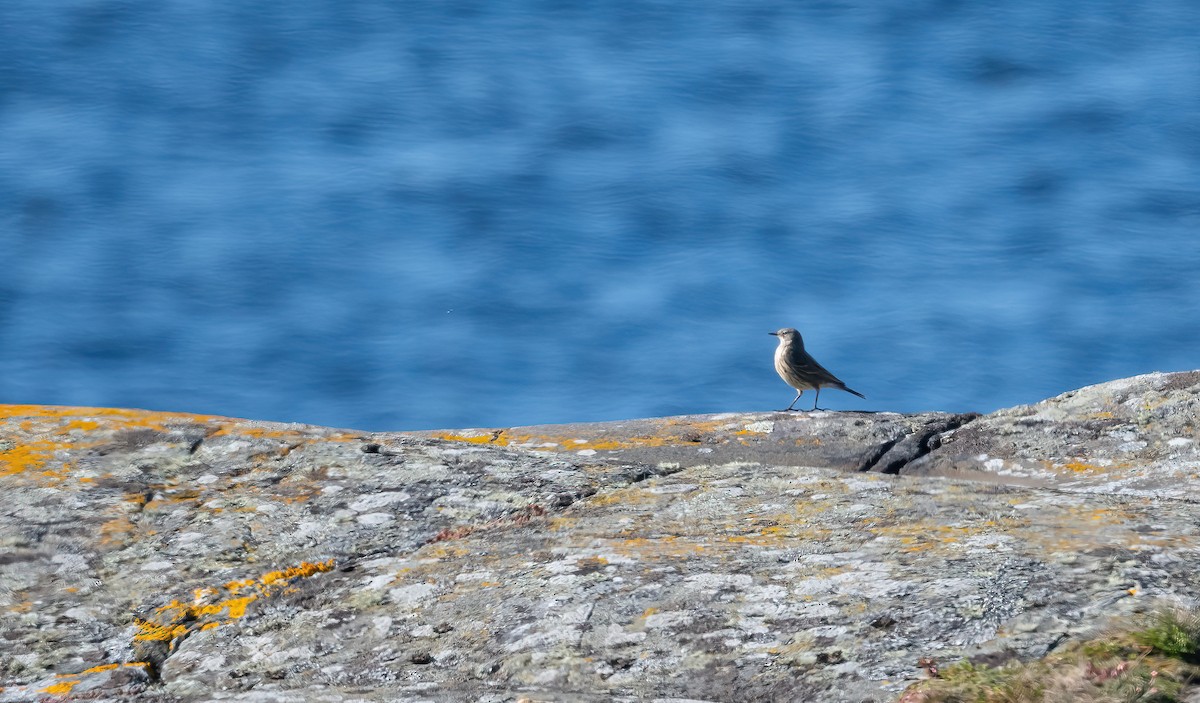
pixel 742 556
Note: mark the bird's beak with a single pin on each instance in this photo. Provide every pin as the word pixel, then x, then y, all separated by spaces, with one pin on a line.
pixel 776 334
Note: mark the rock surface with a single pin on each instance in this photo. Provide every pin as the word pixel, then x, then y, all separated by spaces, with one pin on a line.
pixel 850 441
pixel 757 556
pixel 1137 436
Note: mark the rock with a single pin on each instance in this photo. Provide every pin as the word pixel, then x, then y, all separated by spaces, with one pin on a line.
pixel 1139 436
pixel 849 441
pixel 173 557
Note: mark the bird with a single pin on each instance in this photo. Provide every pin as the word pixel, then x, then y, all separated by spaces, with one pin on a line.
pixel 800 371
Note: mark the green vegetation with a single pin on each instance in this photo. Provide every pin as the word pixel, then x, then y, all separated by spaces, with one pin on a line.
pixel 1173 633
pixel 1152 660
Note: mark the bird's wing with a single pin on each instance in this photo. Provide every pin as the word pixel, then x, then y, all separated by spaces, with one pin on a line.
pixel 808 366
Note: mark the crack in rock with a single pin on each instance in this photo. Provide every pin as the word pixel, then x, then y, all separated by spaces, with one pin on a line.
pixel 891 457
pixel 878 453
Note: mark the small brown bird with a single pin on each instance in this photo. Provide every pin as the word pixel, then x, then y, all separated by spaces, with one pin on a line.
pixel 799 370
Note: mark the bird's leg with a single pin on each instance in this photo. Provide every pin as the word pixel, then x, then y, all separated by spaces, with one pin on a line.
pixel 789 408
pixel 817 398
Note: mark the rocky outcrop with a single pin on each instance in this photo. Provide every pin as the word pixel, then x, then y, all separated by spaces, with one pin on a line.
pixel 756 556
pixel 851 441
pixel 1136 436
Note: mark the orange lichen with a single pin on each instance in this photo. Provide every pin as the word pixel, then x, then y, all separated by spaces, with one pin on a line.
pixel 233 586
pixel 256 432
pixel 48 423
pixel 44 411
pixel 24 457
pixel 177 619
pixel 496 439
pixel 53 429
pixel 633 495
pixel 669 547
pixel 174 497
pixel 304 570
pixel 70 681
pixel 116 530
pixel 924 535
pixel 234 428
pixel 59 475
pixel 150 631
pixel 200 594
pixel 669 433
pixel 237 606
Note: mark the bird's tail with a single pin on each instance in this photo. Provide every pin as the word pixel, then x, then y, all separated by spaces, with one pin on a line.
pixel 851 390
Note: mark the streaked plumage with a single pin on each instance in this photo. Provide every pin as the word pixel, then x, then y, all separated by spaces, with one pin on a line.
pixel 800 371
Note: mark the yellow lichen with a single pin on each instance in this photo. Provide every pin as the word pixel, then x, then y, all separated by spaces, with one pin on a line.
pixel 498 440
pixel 115 531
pixel 152 631
pixel 235 586
pixel 24 457
pixel 304 570
pixel 237 606
pixel 633 495
pixel 70 681
pixel 208 610
pixel 668 547
pixel 669 433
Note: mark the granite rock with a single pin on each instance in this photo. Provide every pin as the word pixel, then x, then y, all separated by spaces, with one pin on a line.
pixel 846 441
pixel 807 556
pixel 1139 436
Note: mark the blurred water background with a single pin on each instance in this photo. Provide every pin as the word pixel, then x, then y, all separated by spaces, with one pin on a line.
pixel 401 215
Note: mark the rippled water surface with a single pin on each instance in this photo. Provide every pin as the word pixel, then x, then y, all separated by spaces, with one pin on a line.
pixel 392 215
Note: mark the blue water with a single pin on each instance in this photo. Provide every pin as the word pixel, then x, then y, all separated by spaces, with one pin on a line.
pixel 399 215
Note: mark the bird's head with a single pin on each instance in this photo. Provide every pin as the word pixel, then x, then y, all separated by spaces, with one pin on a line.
pixel 788 336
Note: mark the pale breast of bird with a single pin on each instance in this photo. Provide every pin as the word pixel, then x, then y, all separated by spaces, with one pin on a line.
pixel 781 368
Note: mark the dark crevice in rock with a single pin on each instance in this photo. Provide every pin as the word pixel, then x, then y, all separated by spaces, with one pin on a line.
pixel 644 472
pixel 153 654
pixel 891 457
pixel 878 453
pixel 1058 640
pixel 396 446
